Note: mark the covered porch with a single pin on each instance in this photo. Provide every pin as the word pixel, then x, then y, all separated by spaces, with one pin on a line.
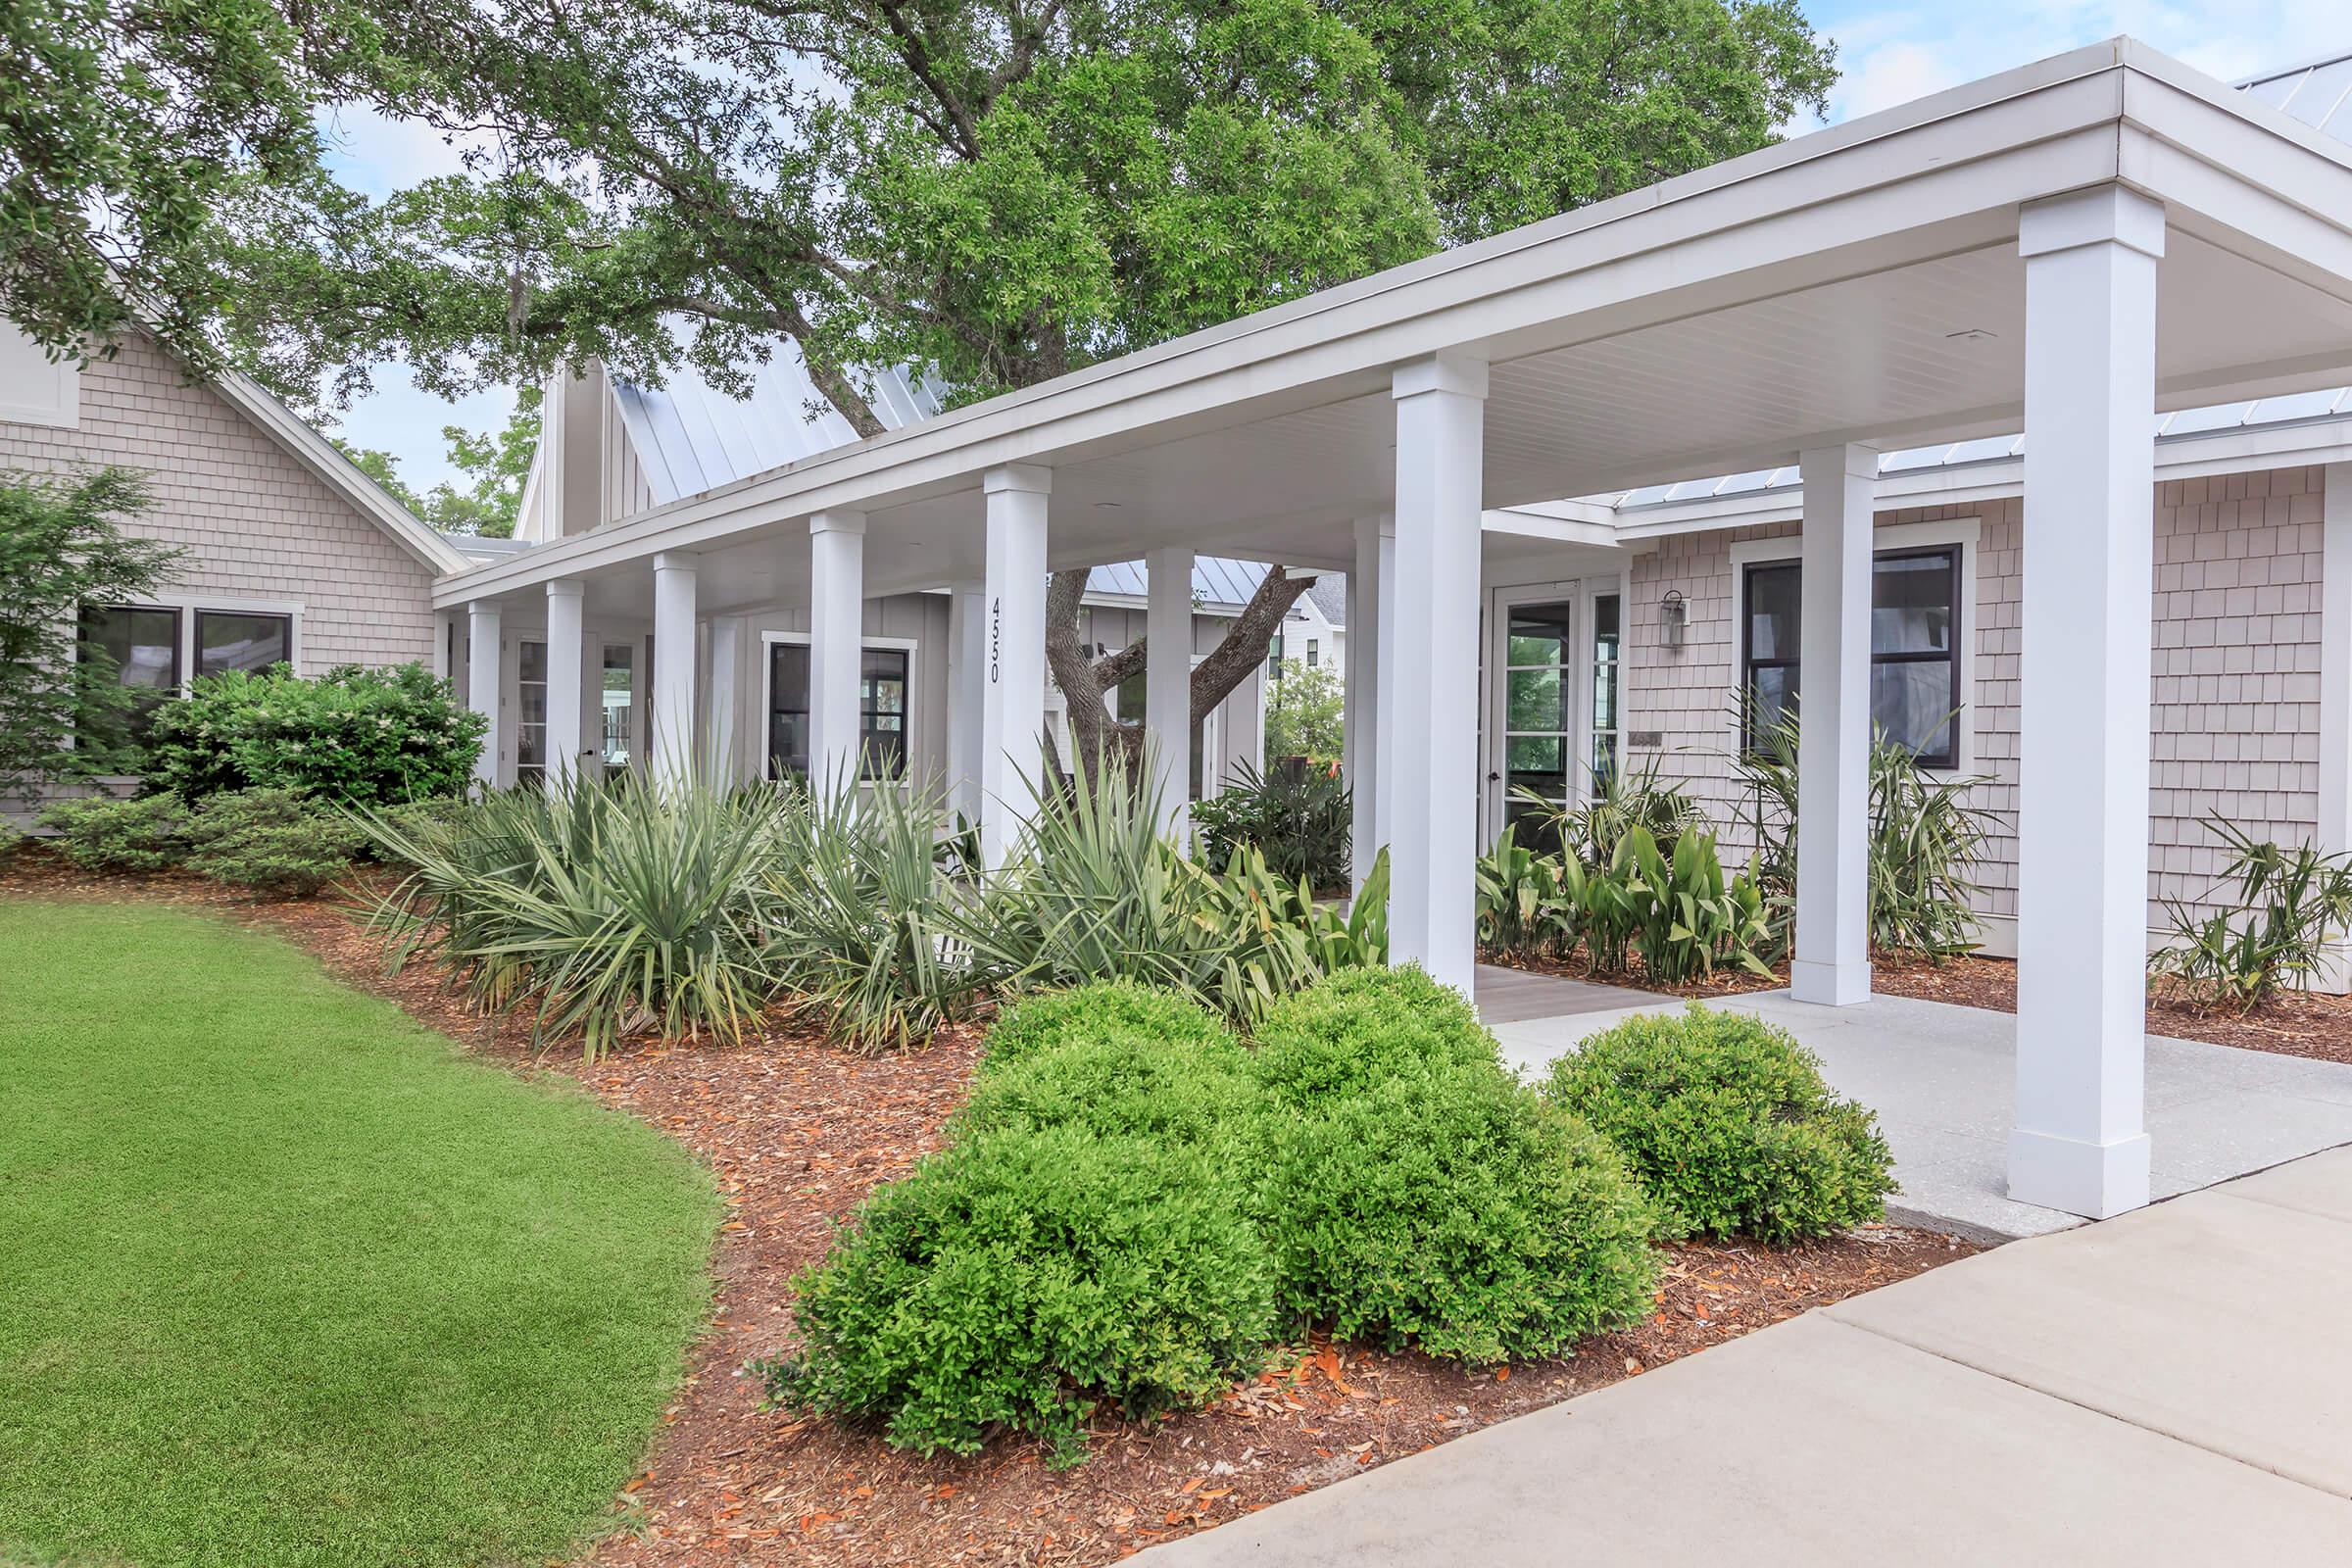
pixel 2072 247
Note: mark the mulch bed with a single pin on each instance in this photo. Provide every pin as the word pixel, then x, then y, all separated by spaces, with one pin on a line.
pixel 797 1132
pixel 2290 1024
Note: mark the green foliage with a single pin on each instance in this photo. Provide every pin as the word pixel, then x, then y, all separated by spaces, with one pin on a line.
pixel 125 128
pixel 607 909
pixel 363 737
pixel 1529 904
pixel 861 915
pixel 66 543
pixel 1926 837
pixel 2285 904
pixel 497 464
pixel 1300 817
pixel 1304 714
pixel 1096 892
pixel 1726 1120
pixel 1050 1019
pixel 271 841
pixel 1447 1206
pixel 1677 913
pixel 1620 800
pixel 1361 1028
pixel 293 1280
pixel 1021 1278
pixel 1178 1088
pixel 103 833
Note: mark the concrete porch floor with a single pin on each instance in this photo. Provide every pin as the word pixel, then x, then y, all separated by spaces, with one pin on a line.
pixel 1940 1078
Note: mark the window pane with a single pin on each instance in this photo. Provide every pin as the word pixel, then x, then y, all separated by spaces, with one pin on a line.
pixel 884 703
pixel 1537 698
pixel 1912 701
pixel 1132 692
pixel 226 640
pixel 1539 635
pixel 1775 688
pixel 1772 612
pixel 144 643
pixel 1911 606
pixel 788 709
pixel 619 704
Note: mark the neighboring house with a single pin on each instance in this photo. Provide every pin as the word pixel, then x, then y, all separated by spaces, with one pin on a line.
pixel 1314 634
pixel 290 551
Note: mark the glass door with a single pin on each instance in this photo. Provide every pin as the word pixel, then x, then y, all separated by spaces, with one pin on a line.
pixel 619 707
pixel 530 714
pixel 1538 713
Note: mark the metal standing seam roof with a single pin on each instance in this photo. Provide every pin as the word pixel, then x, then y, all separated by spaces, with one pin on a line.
pixel 2319 93
pixel 1216 580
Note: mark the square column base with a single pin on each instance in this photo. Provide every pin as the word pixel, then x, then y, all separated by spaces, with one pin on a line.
pixel 1829 985
pixel 2096 1181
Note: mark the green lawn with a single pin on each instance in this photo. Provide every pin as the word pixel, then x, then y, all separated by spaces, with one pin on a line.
pixel 286 1280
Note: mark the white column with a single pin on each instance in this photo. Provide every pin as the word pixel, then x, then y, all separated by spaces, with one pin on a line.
pixel 724 702
pixel 1431 774
pixel 1168 679
pixel 673 668
pixel 1013 716
pixel 2334 833
pixel 2082 802
pixel 1831 961
pixel 967 696
pixel 482 686
pixel 1371 591
pixel 836 644
pixel 566 682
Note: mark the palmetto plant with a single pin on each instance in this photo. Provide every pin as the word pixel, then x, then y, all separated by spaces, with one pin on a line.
pixel 609 908
pixel 858 910
pixel 1096 892
pixel 2288 904
pixel 1926 836
pixel 1620 798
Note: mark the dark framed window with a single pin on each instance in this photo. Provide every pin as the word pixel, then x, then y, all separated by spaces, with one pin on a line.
pixel 1915 599
pixel 142 643
pixel 235 639
pixel 1274 657
pixel 881 707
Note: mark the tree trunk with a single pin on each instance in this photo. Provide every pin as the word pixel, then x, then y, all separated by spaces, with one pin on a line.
pixel 1083 679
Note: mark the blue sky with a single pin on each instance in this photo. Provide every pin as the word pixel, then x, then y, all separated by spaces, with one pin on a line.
pixel 1888 55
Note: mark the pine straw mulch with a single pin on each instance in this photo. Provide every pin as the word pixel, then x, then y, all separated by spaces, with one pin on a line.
pixel 797 1132
pixel 2292 1023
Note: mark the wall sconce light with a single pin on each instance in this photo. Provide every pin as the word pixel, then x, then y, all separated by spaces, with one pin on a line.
pixel 1673 616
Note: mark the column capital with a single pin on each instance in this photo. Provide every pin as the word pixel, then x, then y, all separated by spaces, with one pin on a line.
pixel 1856 460
pixel 2103 214
pixel 1030 478
pixel 565 588
pixel 677 561
pixel 481 609
pixel 836 522
pixel 1376 525
pixel 1461 371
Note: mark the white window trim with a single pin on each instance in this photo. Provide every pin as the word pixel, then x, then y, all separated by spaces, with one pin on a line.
pixel 911 647
pixel 1966 532
pixel 190 603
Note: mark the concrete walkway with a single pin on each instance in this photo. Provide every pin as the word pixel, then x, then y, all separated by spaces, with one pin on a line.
pixel 1942 1080
pixel 2173 1386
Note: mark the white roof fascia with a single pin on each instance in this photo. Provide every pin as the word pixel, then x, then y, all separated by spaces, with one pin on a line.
pixel 340 474
pixel 1786 217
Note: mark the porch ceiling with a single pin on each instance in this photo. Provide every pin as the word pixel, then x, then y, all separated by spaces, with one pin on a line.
pixel 1861 284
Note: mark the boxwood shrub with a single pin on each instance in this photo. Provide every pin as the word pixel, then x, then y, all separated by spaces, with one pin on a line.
pixel 1125 1082
pixel 1350 1032
pixel 1727 1121
pixel 1448 1205
pixel 1022 1276
pixel 1054 1017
